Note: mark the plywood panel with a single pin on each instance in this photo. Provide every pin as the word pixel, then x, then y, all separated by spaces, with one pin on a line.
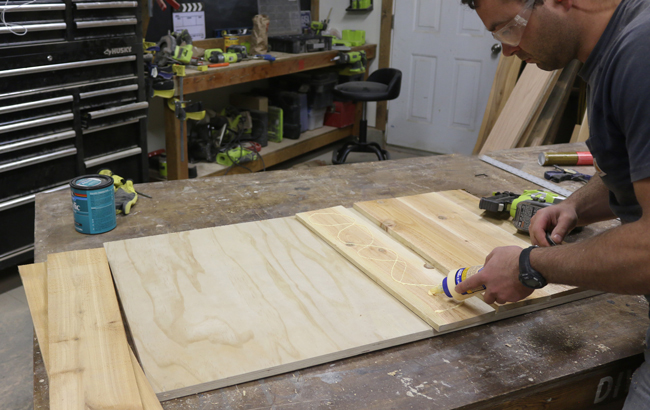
pixel 393 266
pixel 89 364
pixel 34 278
pixel 215 307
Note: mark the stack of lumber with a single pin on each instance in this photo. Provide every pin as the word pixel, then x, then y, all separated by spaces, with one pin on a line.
pixel 215 307
pixel 81 335
pixel 524 112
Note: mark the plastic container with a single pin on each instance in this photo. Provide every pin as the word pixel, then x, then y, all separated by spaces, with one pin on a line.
pixel 300 43
pixel 455 277
pixel 342 115
pixel 316 118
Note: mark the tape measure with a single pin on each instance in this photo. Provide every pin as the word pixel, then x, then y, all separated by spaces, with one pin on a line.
pixel 528 177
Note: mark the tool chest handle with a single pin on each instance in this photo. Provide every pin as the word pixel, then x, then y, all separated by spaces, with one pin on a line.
pixel 36 123
pixel 126 88
pixel 65 66
pixel 35 104
pixel 117 110
pixel 112 157
pixel 33 27
pixel 105 5
pixel 38 159
pixel 106 23
pixel 31 7
pixel 119 124
pixel 27 199
pixel 33 142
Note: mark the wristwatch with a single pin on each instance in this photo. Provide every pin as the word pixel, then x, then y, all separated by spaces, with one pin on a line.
pixel 528 276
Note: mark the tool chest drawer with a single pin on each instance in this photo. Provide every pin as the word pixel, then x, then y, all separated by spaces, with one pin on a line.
pixel 114 137
pixel 126 163
pixel 29 174
pixel 55 20
pixel 72 102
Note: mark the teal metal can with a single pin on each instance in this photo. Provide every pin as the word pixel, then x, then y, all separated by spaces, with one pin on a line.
pixel 93 204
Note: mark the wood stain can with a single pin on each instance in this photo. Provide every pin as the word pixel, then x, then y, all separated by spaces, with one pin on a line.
pixel 93 204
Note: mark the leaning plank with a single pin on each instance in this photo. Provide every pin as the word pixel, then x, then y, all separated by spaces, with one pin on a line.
pixel 393 266
pixel 504 82
pixel 89 364
pixel 584 129
pixel 519 110
pixel 34 278
pixel 215 307
pixel 546 111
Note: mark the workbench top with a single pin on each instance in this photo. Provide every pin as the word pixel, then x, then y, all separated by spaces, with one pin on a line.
pixel 535 357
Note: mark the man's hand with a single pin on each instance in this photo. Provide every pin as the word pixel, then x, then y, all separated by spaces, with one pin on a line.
pixel 500 275
pixel 558 219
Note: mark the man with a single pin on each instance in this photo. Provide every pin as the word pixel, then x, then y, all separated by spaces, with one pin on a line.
pixel 612 39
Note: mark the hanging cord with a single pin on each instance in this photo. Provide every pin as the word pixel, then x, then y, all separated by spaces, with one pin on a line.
pixel 10 25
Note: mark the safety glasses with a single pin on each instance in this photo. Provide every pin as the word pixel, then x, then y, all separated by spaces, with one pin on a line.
pixel 512 32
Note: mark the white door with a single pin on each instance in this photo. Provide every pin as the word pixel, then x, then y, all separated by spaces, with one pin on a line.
pixel 444 53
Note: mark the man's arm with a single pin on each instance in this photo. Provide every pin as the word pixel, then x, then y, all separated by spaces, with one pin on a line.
pixel 587 205
pixel 616 261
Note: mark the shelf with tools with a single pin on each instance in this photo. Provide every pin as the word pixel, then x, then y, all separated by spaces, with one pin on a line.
pixel 276 153
pixel 246 71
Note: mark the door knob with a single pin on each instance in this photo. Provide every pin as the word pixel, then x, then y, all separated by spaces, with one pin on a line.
pixel 496 48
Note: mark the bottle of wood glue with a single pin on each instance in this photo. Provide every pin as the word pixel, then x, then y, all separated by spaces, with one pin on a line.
pixel 455 277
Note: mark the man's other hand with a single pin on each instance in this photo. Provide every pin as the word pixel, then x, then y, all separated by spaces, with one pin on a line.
pixel 558 219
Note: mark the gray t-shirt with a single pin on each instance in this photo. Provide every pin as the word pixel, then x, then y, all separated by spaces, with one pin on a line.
pixel 618 77
pixel 618 98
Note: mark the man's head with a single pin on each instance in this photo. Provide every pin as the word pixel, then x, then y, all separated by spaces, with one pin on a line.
pixel 550 37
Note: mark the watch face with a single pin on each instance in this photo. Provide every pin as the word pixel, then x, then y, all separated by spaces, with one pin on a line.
pixel 531 282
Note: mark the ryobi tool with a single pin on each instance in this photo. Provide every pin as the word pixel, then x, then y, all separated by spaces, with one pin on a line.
pixel 319 26
pixel 522 208
pixel 217 56
pixel 356 60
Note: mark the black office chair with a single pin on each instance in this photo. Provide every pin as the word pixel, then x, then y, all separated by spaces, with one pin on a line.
pixel 382 85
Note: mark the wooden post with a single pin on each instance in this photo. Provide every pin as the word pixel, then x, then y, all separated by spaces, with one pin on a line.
pixel 315 5
pixel 384 57
pixel 176 169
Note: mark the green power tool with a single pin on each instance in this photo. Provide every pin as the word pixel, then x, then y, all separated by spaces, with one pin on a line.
pixel 217 56
pixel 355 60
pixel 522 208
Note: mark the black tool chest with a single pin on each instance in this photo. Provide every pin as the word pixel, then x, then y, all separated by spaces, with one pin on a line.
pixel 72 102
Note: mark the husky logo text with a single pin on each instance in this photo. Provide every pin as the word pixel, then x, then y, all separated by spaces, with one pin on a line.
pixel 119 50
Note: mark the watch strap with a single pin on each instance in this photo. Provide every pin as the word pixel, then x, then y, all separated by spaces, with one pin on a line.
pixel 528 276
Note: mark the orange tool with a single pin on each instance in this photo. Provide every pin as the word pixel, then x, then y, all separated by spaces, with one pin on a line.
pixel 219 65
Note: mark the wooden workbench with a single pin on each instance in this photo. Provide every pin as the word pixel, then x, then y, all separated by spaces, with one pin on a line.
pixel 242 72
pixel 552 359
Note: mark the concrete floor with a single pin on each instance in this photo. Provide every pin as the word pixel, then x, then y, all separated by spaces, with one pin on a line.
pixel 16 328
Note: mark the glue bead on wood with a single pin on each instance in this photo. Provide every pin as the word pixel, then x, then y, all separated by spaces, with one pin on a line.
pixel 455 277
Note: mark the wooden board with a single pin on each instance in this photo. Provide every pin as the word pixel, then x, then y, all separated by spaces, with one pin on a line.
pixel 215 307
pixel 462 230
pixel 34 278
pixel 504 82
pixel 519 109
pixel 89 364
pixel 394 267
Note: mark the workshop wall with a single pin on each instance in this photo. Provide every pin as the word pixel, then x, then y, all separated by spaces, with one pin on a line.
pixel 368 21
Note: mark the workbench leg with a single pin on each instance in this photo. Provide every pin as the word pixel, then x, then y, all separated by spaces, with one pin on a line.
pixel 176 169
